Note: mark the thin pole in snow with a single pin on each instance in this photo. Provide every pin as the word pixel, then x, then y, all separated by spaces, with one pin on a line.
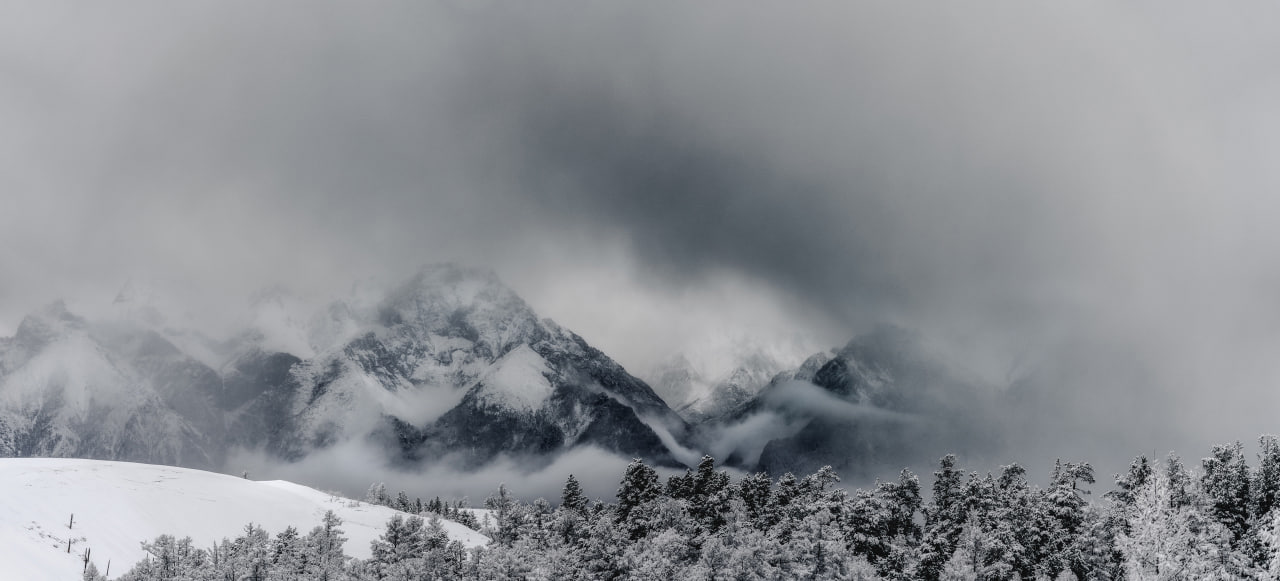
pixel 72 522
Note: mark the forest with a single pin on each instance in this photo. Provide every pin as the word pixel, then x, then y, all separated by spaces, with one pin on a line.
pixel 1162 519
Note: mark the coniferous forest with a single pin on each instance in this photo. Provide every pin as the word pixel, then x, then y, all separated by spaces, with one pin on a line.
pixel 1161 519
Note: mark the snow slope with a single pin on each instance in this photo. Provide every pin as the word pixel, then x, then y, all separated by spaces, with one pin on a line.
pixel 117 505
pixel 518 381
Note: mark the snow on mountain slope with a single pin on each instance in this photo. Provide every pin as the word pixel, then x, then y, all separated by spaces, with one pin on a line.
pixel 117 505
pixel 518 380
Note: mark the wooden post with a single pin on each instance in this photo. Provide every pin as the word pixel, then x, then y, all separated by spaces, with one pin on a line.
pixel 108 573
pixel 72 522
pixel 68 545
pixel 86 559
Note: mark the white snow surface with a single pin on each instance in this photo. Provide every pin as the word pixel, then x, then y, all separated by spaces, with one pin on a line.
pixel 517 381
pixel 117 505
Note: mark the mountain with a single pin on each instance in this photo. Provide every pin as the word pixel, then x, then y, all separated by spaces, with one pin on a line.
pixel 453 364
pixel 879 402
pixel 118 505
pixel 69 388
pixel 450 365
pixel 708 383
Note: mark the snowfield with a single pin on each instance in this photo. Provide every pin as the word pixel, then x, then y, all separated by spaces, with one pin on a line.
pixel 117 505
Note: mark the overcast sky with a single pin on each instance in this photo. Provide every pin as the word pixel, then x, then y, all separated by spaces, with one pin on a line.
pixel 1087 189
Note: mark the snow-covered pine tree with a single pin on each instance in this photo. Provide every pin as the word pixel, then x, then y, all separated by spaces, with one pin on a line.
pixel 377 494
pixel 639 486
pixel 756 493
pixel 287 555
pixel 944 519
pixel 1171 538
pixel 325 557
pixel 1127 484
pixel 571 496
pixel 709 495
pixel 506 525
pixel 1225 482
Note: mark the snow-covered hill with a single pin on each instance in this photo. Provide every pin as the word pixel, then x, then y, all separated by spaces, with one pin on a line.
pixel 117 505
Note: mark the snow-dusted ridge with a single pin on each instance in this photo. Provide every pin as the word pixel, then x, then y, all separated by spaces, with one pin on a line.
pixel 117 505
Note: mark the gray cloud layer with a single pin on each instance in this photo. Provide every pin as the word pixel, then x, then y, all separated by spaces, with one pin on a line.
pixel 1083 191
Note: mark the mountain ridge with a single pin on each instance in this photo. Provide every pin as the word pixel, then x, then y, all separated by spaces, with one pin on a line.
pixel 396 365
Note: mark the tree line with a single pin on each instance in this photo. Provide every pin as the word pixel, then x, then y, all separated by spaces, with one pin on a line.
pixel 1160 520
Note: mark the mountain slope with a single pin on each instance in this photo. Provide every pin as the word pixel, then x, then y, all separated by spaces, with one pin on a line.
pixel 69 388
pixel 117 505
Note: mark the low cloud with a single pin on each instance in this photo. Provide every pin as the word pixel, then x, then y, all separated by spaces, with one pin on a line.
pixel 351 467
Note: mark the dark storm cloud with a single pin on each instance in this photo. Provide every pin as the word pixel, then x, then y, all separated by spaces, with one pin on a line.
pixel 1076 194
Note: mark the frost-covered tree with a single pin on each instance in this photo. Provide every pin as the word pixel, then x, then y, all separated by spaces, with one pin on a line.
pixel 1266 479
pixel 1171 538
pixel 506 526
pixel 1225 483
pixel 639 486
pixel 325 558
pixel 571 496
pixel 168 558
pixel 287 555
pixel 377 494
pixel 944 519
pixel 401 541
pixel 756 494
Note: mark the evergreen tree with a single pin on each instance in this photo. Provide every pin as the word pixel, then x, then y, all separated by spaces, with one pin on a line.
pixel 944 519
pixel 639 486
pixel 1266 480
pixel 325 558
pixel 572 498
pixel 1226 484
pixel 1169 540
pixel 504 507
pixel 377 494
pixel 709 494
pixel 756 492
pixel 1179 482
pixel 287 560
pixel 1128 484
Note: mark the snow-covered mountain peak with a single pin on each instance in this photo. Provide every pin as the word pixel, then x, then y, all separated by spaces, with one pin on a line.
pixel 450 287
pixel 470 303
pixel 42 327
